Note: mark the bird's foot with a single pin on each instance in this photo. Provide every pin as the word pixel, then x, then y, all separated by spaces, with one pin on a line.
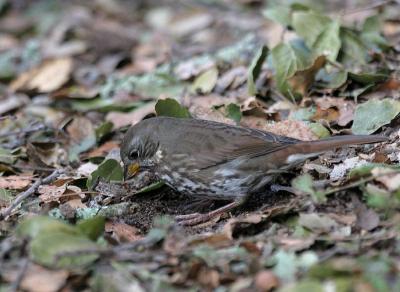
pixel 197 218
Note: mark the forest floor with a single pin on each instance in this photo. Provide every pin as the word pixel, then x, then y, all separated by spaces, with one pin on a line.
pixel 74 77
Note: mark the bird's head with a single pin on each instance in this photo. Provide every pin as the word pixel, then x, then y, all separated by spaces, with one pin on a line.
pixel 139 150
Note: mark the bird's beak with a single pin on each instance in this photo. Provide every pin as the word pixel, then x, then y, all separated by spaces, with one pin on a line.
pixel 131 170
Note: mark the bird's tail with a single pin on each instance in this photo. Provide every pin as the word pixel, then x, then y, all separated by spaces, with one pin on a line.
pixel 338 141
pixel 306 149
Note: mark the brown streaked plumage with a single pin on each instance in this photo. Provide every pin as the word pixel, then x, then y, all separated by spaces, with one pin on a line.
pixel 217 161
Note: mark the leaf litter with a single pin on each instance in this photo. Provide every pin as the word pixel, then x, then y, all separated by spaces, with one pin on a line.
pixel 302 70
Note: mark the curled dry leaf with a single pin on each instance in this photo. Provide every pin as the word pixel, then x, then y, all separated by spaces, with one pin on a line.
pixel 50 76
pixel 123 232
pixel 390 178
pixel 123 119
pixel 15 182
pixel 103 150
pixel 337 110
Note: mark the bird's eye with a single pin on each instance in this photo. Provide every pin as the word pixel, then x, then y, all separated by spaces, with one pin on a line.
pixel 133 155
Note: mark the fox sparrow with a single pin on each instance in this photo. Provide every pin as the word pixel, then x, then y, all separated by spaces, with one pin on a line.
pixel 217 161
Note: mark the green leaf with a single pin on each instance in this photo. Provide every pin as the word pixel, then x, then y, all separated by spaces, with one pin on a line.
pixel 103 105
pixel 161 81
pixel 287 60
pixel 109 170
pixel 47 246
pixel 305 285
pixel 353 48
pixel 279 14
pixel 205 82
pixel 104 129
pixel 373 114
pixel 319 130
pixel 6 156
pixel 304 183
pixel 371 34
pixel 320 33
pixel 368 78
pixel 328 42
pixel 255 69
pixel 151 187
pixel 233 112
pixel 32 227
pixel 5 196
pixel 171 108
pixel 92 227
pixel 333 79
pixel 309 25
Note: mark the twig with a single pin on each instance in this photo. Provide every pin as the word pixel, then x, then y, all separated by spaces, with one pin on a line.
pixel 22 196
pixel 20 276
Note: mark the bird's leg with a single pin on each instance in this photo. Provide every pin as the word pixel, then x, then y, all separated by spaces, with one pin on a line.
pixel 197 218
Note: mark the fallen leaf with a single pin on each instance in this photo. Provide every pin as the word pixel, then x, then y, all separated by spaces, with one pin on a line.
pixel 131 118
pixel 388 177
pixel 82 136
pixel 266 280
pixel 123 232
pixel 171 108
pixel 290 128
pixel 255 69
pixel 339 110
pixel 205 82
pixel 317 222
pixel 103 150
pixel 15 182
pixel 48 77
pixel 39 279
pixel 367 219
pixel 373 114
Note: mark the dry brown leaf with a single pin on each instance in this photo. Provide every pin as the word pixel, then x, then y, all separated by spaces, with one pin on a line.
pixel 302 80
pixel 388 177
pixel 266 280
pixel 295 244
pixel 103 150
pixel 335 109
pixel 39 279
pixel 79 129
pixel 59 194
pixel 48 77
pixel 123 232
pixel 15 182
pixel 123 119
pixel 291 128
pixel 230 226
pixel 367 219
pixel 208 277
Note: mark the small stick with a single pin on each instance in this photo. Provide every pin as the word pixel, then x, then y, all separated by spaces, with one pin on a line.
pixel 20 276
pixel 22 196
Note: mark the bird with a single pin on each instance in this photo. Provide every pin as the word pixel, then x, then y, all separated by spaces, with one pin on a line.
pixel 217 161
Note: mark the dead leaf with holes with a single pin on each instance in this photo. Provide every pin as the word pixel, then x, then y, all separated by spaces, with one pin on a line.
pixel 59 194
pixel 48 77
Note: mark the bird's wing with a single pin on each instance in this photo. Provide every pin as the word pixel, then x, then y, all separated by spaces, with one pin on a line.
pixel 224 143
